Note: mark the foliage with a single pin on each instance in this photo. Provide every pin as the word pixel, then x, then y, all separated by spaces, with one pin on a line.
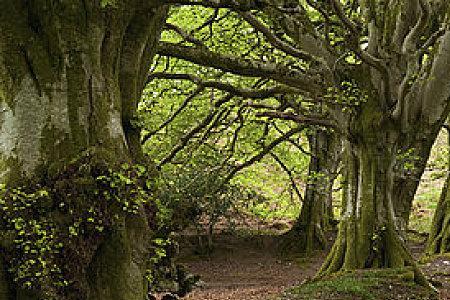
pixel 53 229
pixel 197 189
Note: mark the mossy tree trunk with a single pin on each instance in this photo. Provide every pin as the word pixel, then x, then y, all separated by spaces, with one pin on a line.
pixel 316 216
pixel 370 231
pixel 368 235
pixel 71 73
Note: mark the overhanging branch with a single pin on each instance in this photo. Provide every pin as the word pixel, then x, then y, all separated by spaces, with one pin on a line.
pixel 243 66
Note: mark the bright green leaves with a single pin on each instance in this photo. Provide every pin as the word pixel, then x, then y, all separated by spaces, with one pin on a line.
pixel 348 94
pixel 68 217
pixel 108 3
pixel 34 238
pixel 126 187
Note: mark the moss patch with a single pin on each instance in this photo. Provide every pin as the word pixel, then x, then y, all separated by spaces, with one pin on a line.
pixel 363 285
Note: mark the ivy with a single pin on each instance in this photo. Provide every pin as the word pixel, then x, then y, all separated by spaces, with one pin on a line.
pixel 68 217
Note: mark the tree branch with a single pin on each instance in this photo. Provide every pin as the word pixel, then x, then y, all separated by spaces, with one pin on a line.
pixel 226 87
pixel 243 66
pixel 309 120
pixel 267 149
pixel 290 175
pixel 274 40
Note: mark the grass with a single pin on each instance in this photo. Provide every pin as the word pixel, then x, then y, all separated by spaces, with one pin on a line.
pixel 364 285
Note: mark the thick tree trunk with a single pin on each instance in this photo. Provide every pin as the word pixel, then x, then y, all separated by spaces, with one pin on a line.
pixel 368 233
pixel 316 216
pixel 71 73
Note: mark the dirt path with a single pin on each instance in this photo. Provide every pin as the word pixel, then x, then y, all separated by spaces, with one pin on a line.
pixel 248 270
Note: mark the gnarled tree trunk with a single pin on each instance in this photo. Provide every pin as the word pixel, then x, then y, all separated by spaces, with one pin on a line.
pixel 71 73
pixel 368 235
pixel 370 232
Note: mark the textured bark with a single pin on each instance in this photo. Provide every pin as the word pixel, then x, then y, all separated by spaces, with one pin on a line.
pixel 370 235
pixel 71 73
pixel 405 185
pixel 316 216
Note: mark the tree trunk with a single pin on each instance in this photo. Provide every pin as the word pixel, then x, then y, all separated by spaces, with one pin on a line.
pixel 71 73
pixel 316 216
pixel 368 234
pixel 406 182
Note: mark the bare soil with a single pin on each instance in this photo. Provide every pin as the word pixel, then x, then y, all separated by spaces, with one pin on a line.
pixel 249 268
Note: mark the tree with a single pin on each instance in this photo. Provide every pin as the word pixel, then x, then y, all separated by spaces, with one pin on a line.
pixel 380 69
pixel 71 73
pixel 316 215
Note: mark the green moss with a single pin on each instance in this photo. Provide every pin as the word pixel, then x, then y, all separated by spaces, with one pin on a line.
pixel 365 285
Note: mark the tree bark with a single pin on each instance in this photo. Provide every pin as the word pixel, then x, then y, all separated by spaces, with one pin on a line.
pixel 71 73
pixel 316 215
pixel 438 239
pixel 369 233
pixel 407 182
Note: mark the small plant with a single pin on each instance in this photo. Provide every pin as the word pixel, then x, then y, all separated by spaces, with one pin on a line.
pixel 69 216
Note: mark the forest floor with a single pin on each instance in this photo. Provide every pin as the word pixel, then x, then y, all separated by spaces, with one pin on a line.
pixel 249 268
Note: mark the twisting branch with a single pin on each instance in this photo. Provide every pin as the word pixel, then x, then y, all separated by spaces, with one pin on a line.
pixel 188 99
pixel 365 56
pixel 431 41
pixel 235 137
pixel 411 40
pixel 274 40
pixel 186 36
pixel 258 157
pixel 290 175
pixel 184 140
pixel 349 24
